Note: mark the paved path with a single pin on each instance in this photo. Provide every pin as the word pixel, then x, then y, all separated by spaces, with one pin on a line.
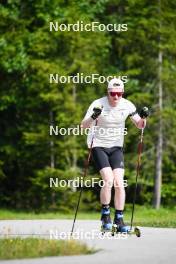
pixel 155 246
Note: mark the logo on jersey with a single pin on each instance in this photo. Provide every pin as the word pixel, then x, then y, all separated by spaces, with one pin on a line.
pixel 122 164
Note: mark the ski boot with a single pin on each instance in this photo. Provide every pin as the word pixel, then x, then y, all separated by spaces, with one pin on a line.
pixel 106 220
pixel 119 225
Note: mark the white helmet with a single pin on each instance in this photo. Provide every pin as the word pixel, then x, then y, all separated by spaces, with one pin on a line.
pixel 116 83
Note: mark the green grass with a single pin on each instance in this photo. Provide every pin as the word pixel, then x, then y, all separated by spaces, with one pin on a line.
pixel 155 218
pixel 32 248
pixel 144 216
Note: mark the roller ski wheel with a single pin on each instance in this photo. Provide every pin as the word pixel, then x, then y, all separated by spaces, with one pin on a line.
pixel 114 230
pixel 137 231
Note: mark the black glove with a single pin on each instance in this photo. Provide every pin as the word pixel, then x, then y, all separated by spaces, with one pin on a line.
pixel 96 112
pixel 144 113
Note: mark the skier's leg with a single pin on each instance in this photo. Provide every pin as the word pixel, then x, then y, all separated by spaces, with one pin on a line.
pixel 117 164
pixel 108 178
pixel 101 160
pixel 105 197
pixel 119 198
pixel 100 156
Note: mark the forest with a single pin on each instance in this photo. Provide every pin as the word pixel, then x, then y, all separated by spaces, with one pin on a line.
pixel 33 97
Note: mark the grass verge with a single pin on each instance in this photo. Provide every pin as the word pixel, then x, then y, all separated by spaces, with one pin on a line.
pixel 19 248
pixel 144 216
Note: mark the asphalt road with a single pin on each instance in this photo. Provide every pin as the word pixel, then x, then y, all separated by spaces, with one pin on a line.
pixel 155 246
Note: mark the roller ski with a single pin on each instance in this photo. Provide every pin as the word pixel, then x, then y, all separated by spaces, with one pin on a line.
pixel 119 227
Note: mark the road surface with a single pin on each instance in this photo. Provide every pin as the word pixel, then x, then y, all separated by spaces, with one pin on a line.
pixel 155 246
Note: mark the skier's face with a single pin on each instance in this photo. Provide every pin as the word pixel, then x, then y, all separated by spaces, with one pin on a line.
pixel 114 95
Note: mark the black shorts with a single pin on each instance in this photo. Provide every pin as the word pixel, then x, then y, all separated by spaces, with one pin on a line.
pixel 108 157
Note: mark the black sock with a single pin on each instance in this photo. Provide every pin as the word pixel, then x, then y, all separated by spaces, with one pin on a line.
pixel 119 212
pixel 105 206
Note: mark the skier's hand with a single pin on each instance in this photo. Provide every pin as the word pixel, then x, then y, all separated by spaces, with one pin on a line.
pixel 144 113
pixel 96 112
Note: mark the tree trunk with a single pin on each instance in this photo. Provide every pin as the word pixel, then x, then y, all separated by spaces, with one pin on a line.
pixel 52 157
pixel 159 146
pixel 52 161
pixel 158 169
pixel 75 158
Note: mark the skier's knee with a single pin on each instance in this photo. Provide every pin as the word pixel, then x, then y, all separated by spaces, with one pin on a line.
pixel 107 183
pixel 119 187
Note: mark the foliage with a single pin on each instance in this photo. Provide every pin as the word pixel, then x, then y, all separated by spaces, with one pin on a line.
pixel 17 248
pixel 29 104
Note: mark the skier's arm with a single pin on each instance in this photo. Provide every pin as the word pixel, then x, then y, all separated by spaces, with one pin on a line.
pixel 90 117
pixel 140 119
pixel 87 122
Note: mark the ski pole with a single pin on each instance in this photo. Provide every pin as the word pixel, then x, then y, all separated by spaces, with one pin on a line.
pixel 140 145
pixel 84 175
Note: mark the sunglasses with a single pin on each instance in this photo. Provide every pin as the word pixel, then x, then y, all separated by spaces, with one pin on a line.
pixel 113 94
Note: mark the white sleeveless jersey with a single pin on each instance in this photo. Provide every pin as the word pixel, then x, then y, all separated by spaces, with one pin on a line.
pixel 110 129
